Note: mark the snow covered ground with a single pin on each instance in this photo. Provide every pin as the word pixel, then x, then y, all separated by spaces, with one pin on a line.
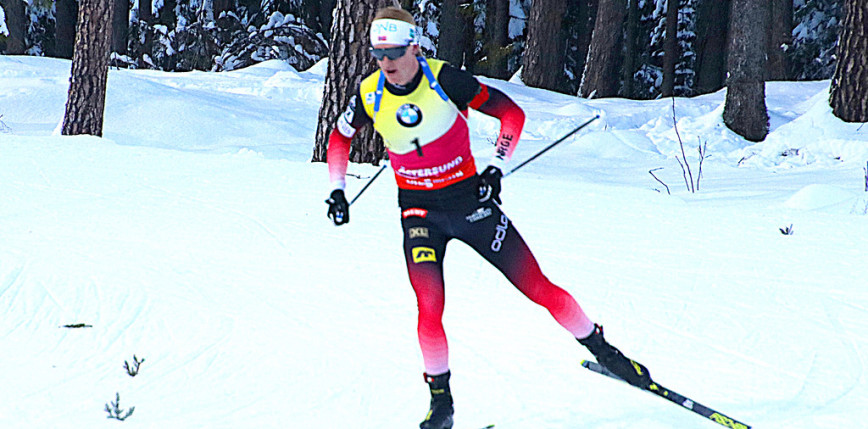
pixel 194 235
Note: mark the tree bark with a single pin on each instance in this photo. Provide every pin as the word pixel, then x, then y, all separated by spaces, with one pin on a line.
pixel 86 103
pixel 495 46
pixel 579 27
pixel 710 47
pixel 543 58
pixel 66 12
pixel 745 110
pixel 349 63
pixel 167 14
pixel 221 6
pixel 16 24
pixel 670 49
pixel 318 14
pixel 849 93
pixel 601 78
pixel 120 26
pixel 780 38
pixel 450 43
pixel 631 28
pixel 146 11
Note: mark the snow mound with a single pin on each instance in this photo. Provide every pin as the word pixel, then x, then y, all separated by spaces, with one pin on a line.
pixel 825 198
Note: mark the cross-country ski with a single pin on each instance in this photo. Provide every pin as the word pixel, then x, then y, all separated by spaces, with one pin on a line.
pixel 676 398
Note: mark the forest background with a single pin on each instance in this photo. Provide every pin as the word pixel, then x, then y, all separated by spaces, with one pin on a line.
pixel 487 37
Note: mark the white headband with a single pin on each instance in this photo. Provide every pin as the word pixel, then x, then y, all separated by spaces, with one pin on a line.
pixel 393 32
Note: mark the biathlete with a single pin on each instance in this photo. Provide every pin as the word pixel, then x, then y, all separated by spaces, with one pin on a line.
pixel 419 106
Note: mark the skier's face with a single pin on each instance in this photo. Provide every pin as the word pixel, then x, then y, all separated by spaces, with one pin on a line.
pixel 400 70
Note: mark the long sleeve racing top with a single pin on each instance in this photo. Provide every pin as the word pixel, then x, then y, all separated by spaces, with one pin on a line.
pixel 425 131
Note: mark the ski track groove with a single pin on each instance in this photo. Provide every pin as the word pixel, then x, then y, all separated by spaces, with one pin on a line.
pixel 52 297
pixel 10 280
pixel 261 225
pixel 722 350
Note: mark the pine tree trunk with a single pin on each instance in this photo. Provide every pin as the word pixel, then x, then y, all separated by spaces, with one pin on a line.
pixel 66 12
pixel 468 43
pixel 601 78
pixel 745 110
pixel 326 10
pixel 221 6
pixel 317 15
pixel 349 62
pixel 543 58
pixel 710 46
pixel 167 14
pixel 780 38
pixel 670 49
pixel 631 28
pixel 120 26
pixel 450 43
pixel 86 103
pixel 579 27
pixel 496 40
pixel 146 12
pixel 17 26
pixel 849 93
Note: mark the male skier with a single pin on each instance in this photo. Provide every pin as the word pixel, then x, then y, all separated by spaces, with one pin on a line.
pixel 419 106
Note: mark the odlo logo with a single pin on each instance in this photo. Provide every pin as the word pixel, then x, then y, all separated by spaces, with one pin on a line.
pixel 500 233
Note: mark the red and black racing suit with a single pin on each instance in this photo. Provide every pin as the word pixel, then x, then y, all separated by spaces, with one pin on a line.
pixel 433 214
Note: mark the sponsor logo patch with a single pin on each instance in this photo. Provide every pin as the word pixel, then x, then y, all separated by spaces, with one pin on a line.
pixel 414 212
pixel 346 119
pixel 478 215
pixel 433 171
pixel 418 232
pixel 423 254
pixel 500 233
pixel 409 115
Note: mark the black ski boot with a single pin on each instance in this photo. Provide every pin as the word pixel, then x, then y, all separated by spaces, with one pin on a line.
pixel 627 369
pixel 440 414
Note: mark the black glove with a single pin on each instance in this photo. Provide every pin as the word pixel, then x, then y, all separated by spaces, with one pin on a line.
pixel 339 209
pixel 489 184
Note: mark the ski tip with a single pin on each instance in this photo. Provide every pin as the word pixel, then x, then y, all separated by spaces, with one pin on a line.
pixel 586 363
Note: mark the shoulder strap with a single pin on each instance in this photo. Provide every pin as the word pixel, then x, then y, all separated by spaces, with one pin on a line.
pixel 431 79
pixel 432 83
pixel 378 95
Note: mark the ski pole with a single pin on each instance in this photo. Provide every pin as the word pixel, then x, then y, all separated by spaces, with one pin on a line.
pixel 558 141
pixel 368 184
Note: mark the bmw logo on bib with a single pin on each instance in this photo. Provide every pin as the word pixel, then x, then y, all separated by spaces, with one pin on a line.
pixel 409 115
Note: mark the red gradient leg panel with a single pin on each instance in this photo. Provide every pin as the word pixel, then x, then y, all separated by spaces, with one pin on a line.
pixel 424 248
pixel 497 240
